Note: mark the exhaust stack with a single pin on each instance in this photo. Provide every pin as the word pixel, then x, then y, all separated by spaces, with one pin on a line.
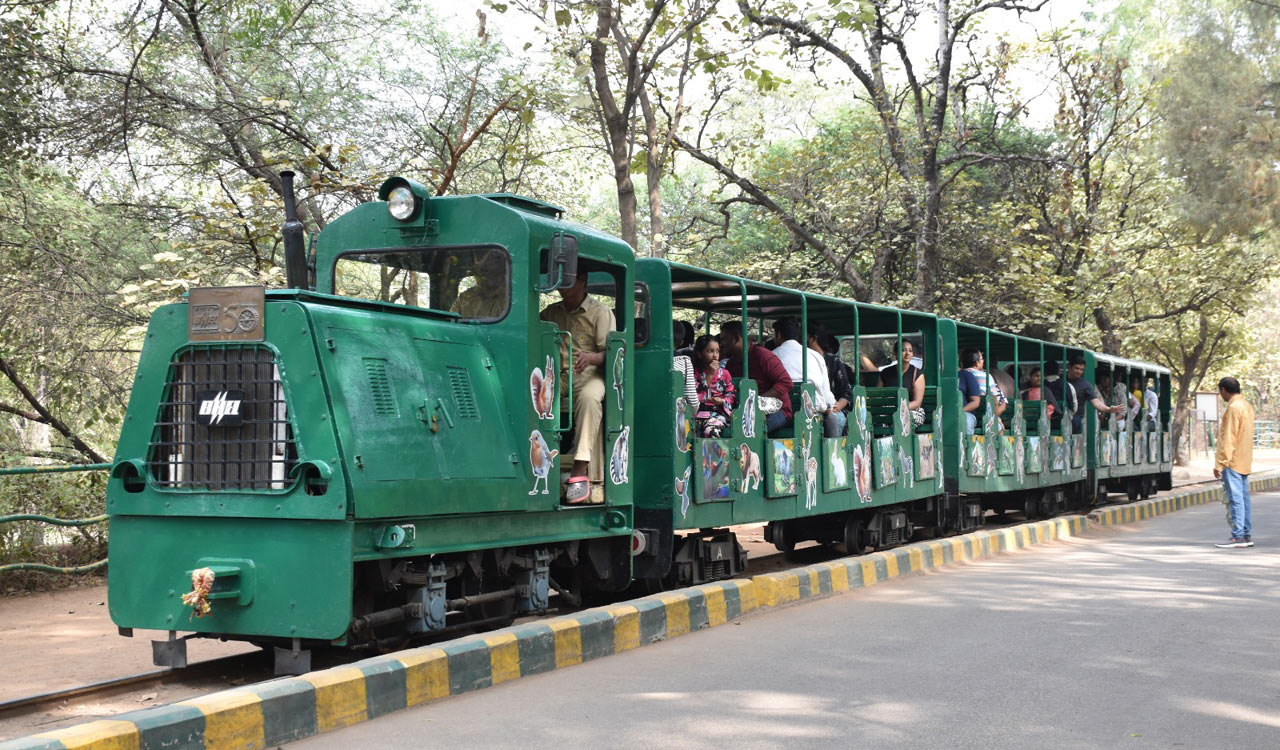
pixel 295 255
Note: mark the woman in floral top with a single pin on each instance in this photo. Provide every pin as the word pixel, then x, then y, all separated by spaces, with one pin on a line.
pixel 715 388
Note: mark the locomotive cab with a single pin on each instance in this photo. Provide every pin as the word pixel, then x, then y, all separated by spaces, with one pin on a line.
pixel 372 458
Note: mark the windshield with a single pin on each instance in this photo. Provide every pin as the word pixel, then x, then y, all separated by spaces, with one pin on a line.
pixel 472 282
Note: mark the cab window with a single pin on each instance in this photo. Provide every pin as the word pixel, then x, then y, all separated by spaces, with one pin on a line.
pixel 473 283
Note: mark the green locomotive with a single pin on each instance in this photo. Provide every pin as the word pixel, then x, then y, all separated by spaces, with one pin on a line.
pixel 375 453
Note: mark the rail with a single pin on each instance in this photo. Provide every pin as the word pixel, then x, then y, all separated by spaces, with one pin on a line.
pixel 51 520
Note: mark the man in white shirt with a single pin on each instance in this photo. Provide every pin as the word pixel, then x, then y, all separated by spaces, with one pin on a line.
pixel 1151 400
pixel 792 353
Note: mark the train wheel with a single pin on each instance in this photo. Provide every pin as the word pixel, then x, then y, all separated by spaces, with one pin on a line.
pixel 783 538
pixel 1133 488
pixel 1147 489
pixel 1031 507
pixel 855 536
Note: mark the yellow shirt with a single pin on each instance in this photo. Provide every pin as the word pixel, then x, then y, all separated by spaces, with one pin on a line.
pixel 1235 437
pixel 589 325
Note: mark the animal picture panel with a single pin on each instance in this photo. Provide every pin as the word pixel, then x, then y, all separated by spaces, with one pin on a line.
pixel 838 473
pixel 926 463
pixel 782 468
pixel 885 460
pixel 714 475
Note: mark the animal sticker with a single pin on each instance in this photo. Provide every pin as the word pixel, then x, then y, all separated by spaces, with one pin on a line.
pixel 781 456
pixel 749 463
pixel 749 415
pixel 618 462
pixel 992 458
pixel 541 458
pixel 620 375
pixel 977 456
pixel 907 465
pixel 904 417
pixel 862 473
pixel 715 470
pixel 1019 459
pixel 810 465
pixel 542 387
pixel 937 430
pixel 811 483
pixel 682 491
pixel 807 401
pixel 684 426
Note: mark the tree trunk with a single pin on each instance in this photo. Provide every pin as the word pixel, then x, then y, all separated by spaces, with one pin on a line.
pixel 615 125
pixel 928 257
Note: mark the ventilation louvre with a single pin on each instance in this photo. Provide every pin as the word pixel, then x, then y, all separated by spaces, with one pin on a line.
pixel 463 396
pixel 384 401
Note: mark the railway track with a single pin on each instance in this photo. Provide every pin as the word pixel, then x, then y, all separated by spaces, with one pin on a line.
pixel 42 711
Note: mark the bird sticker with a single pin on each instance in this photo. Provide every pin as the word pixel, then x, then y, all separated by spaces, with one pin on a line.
pixel 807 402
pixel 618 461
pixel 684 428
pixel 542 386
pixel 620 375
pixel 541 458
pixel 682 490
pixel 750 464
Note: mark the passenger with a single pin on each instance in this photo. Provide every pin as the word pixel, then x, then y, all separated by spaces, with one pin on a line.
pixel 868 372
pixel 1034 392
pixel 683 342
pixel 1054 385
pixel 974 384
pixel 1135 402
pixel 684 365
pixel 589 323
pixel 772 380
pixel 794 356
pixel 487 300
pixel 841 379
pixel 1085 393
pixel 1151 400
pixel 913 382
pixel 835 418
pixel 1104 387
pixel 1120 397
pixel 716 395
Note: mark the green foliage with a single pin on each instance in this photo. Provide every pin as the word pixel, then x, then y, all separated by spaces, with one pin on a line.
pixel 68 496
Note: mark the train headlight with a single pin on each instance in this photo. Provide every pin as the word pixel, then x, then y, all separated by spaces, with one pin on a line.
pixel 402 203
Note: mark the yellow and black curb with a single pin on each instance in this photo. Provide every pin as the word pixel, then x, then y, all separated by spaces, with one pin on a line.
pixel 283 710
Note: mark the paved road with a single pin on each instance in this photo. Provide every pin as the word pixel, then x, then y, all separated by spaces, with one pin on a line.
pixel 1144 636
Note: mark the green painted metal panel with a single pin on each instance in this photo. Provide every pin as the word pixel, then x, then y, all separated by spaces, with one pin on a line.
pixel 292 577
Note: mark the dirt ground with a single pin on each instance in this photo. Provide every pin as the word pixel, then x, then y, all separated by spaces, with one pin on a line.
pixel 60 639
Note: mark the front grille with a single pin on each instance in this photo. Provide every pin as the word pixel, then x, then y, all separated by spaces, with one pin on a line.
pixel 246 448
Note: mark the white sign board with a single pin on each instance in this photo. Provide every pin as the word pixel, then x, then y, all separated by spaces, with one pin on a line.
pixel 1207 407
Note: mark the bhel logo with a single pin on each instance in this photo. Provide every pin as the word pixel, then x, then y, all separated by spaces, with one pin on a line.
pixel 219 408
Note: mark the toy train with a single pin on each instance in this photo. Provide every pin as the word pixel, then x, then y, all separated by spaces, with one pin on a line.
pixel 358 459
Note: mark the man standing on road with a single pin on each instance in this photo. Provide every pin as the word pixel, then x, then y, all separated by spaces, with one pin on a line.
pixel 1234 461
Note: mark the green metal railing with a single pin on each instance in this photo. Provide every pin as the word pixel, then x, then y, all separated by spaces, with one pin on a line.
pixel 66 522
pixel 1266 434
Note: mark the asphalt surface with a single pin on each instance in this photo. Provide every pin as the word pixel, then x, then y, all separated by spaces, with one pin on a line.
pixel 1144 636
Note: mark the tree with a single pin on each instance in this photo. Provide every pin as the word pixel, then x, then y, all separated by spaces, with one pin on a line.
pixel 878 31
pixel 636 61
